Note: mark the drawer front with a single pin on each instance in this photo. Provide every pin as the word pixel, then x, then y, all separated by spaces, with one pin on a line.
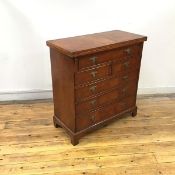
pixel 116 55
pixel 121 79
pixel 86 120
pixel 125 90
pixel 127 77
pixel 97 101
pixel 129 64
pixel 92 74
pixel 94 89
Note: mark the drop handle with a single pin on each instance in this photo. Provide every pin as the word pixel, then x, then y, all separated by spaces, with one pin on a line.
pixel 125 77
pixel 93 102
pixel 93 118
pixel 94 73
pixel 93 88
pixel 126 64
pixel 128 51
pixel 124 91
pixel 93 60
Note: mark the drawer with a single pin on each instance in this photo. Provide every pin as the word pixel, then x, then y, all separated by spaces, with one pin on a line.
pixel 116 55
pixel 126 77
pixel 129 64
pixel 95 88
pixel 129 89
pixel 97 101
pixel 121 79
pixel 86 120
pixel 125 90
pixel 92 74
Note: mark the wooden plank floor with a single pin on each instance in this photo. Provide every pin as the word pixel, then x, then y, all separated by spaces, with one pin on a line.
pixel 144 145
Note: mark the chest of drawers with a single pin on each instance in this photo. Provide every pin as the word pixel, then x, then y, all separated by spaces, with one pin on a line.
pixel 94 79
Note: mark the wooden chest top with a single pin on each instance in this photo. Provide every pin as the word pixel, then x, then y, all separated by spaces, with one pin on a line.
pixel 91 43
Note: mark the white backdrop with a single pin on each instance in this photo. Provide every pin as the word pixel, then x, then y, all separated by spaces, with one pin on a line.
pixel 26 25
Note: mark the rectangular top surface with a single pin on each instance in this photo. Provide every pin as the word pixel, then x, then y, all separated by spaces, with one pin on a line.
pixel 91 43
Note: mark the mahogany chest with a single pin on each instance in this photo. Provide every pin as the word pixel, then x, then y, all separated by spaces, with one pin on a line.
pixel 95 79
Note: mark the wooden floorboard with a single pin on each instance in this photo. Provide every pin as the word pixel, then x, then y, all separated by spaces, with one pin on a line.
pixel 144 145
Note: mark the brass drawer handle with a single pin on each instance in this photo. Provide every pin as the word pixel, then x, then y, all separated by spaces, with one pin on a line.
pixel 93 74
pixel 124 91
pixel 126 64
pixel 125 77
pixel 128 51
pixel 93 59
pixel 92 89
pixel 93 102
pixel 93 118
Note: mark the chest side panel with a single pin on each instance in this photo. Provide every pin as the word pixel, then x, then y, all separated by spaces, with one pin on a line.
pixel 63 88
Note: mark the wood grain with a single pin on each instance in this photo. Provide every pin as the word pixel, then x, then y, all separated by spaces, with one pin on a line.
pixel 29 144
pixel 91 43
pixel 82 61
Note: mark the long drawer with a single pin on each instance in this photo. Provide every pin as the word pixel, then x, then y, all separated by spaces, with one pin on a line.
pixel 125 90
pixel 117 55
pixel 86 120
pixel 93 89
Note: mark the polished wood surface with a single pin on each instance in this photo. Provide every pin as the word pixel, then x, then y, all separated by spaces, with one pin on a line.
pixel 93 74
pixel 87 44
pixel 92 89
pixel 83 99
pixel 143 145
pixel 103 114
pixel 63 88
pixel 115 55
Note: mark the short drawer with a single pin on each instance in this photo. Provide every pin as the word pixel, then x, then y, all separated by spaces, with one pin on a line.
pixel 95 88
pixel 130 64
pixel 92 74
pixel 86 120
pixel 127 77
pixel 116 55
